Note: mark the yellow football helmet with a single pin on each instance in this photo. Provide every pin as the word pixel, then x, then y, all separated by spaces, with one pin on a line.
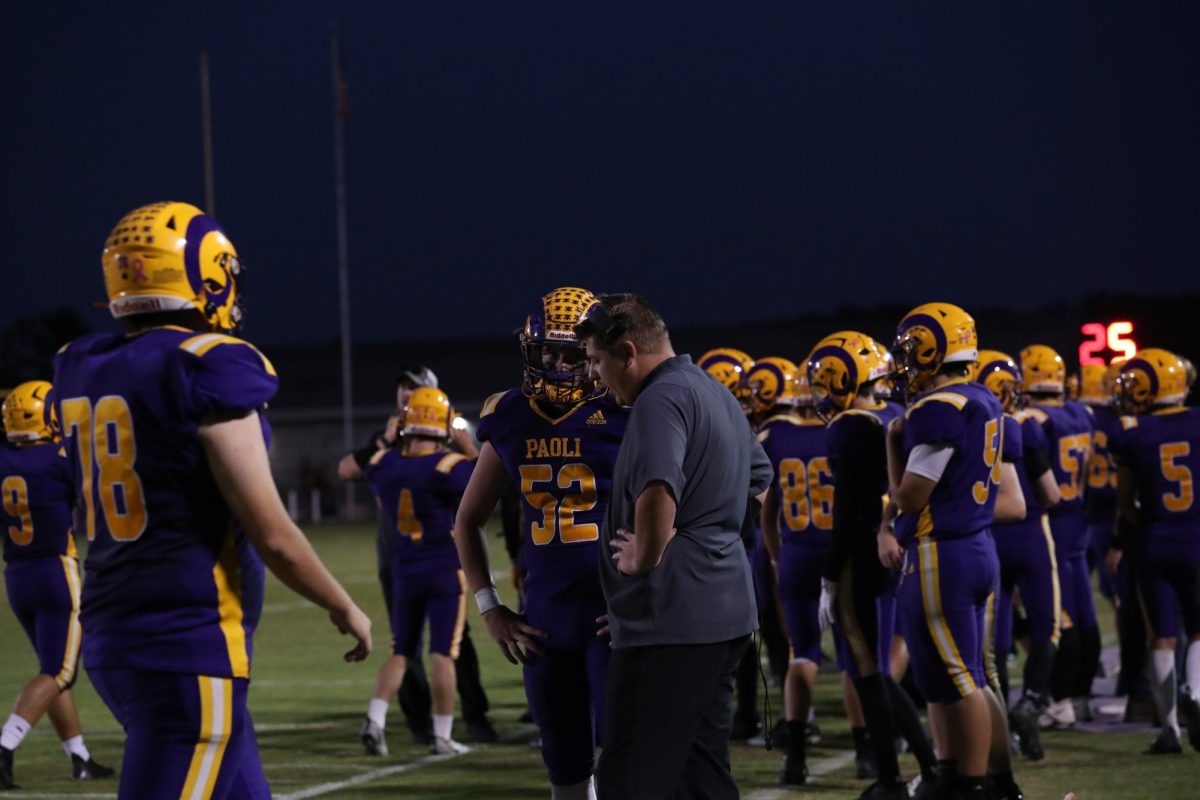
pixel 27 416
pixel 999 373
pixel 804 395
pixel 1092 389
pixel 930 336
pixel 428 413
pixel 839 367
pixel 773 381
pixel 170 256
pixel 727 365
pixel 556 368
pixel 1154 377
pixel 1042 370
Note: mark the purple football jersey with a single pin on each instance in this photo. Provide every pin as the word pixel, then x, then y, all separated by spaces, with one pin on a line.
pixel 1033 438
pixel 967 417
pixel 799 456
pixel 1100 499
pixel 1068 429
pixel 419 497
pixel 38 497
pixel 1163 450
pixel 171 582
pixel 563 467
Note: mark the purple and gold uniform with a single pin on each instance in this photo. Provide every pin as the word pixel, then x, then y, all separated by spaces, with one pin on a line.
pixel 799 456
pixel 1100 497
pixel 1026 548
pixel 41 570
pixel 419 496
pixel 173 589
pixel 563 466
pixel 1163 451
pixel 1068 428
pixel 952 571
pixel 866 596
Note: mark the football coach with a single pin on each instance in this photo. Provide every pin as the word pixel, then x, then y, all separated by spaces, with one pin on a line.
pixel 680 597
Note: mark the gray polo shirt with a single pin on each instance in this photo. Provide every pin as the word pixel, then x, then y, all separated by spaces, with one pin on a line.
pixel 687 431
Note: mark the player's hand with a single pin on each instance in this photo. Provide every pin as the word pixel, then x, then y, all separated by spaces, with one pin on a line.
pixel 890 553
pixel 354 622
pixel 391 431
pixel 1113 560
pixel 512 632
pixel 825 607
pixel 461 441
pixel 602 621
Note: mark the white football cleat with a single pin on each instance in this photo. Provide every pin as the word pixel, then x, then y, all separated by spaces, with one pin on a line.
pixel 447 747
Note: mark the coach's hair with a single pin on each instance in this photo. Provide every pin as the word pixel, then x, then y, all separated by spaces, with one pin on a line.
pixel 624 316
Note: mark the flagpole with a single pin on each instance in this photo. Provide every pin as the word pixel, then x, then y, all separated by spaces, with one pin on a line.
pixel 339 172
pixel 210 192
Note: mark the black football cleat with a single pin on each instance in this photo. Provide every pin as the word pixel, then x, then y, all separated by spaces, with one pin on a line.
pixel 1167 744
pixel 1024 721
pixel 1006 790
pixel 89 770
pixel 864 767
pixel 1190 710
pixel 481 731
pixel 794 771
pixel 6 769
pixel 885 791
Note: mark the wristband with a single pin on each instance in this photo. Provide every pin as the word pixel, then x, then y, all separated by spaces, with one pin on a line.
pixel 487 598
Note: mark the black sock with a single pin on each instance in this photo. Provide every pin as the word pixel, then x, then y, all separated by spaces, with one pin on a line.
pixel 862 744
pixel 1066 663
pixel 1039 666
pixel 905 715
pixel 877 711
pixel 795 738
pixel 1089 659
pixel 1003 780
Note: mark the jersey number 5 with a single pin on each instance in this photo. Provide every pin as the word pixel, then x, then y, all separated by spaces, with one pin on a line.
pixel 104 435
pixel 1168 455
pixel 1073 452
pixel 558 513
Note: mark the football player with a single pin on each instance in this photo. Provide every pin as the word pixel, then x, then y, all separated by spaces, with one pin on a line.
pixel 1100 499
pixel 1025 551
pixel 556 437
pixel 1068 430
pixel 944 464
pixel 414 694
pixel 1157 458
pixel 41 575
pixel 163 431
pixel 858 597
pixel 797 520
pixel 418 488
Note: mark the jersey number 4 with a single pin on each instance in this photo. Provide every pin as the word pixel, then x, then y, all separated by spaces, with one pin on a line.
pixel 104 436
pixel 558 513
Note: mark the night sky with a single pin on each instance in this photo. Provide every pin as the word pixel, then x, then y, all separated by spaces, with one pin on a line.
pixel 731 160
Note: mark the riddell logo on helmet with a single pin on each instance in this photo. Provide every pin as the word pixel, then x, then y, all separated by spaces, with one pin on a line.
pixel 137 305
pixel 560 336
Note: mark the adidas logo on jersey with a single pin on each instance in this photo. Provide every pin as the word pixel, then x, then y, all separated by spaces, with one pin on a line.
pixel 597 418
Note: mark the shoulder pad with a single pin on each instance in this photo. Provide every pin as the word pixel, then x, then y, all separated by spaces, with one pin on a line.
pixel 449 461
pixel 489 405
pixel 203 343
pixel 1035 414
pixel 1128 422
pixel 763 434
pixel 858 412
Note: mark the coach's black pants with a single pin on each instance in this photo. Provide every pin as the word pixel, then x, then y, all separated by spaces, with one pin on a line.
pixel 667 722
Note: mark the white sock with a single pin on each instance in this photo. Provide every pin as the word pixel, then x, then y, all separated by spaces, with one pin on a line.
pixel 75 747
pixel 584 790
pixel 14 732
pixel 1193 670
pixel 1163 662
pixel 442 725
pixel 812 714
pixel 377 711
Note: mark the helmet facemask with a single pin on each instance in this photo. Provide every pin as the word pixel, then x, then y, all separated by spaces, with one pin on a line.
pixel 557 372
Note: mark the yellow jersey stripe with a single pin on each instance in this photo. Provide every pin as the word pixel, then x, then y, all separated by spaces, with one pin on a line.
pixel 490 404
pixel 216 720
pixel 70 664
pixel 460 621
pixel 943 639
pixel 860 412
pixel 954 399
pixel 199 345
pixel 446 464
pixel 227 574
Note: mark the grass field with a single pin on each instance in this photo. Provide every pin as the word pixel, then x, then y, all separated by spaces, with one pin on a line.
pixel 308 705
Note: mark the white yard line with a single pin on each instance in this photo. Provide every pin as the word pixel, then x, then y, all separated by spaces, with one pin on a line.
pixel 366 777
pixel 815 772
pixel 23 794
